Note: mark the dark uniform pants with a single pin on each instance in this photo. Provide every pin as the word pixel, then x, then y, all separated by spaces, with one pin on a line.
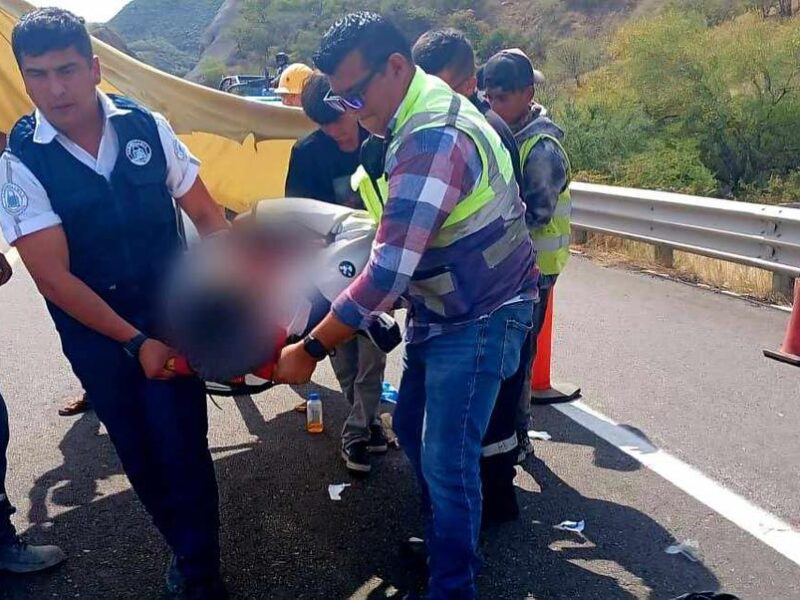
pixel 500 447
pixel 159 429
pixel 7 532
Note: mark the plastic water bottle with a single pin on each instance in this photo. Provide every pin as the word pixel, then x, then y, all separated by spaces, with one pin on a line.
pixel 314 423
pixel 389 393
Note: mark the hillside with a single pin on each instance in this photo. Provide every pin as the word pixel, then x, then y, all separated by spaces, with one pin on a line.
pixel 189 37
pixel 169 34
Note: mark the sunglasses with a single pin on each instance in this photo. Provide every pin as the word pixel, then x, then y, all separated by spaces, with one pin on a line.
pixel 353 99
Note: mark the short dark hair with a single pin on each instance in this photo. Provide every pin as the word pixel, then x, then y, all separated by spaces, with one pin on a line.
pixel 445 49
pixel 48 29
pixel 375 37
pixel 313 100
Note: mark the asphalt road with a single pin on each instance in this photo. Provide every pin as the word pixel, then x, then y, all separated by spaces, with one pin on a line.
pixel 679 364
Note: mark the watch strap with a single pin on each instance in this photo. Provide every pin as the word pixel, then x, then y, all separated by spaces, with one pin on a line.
pixel 133 345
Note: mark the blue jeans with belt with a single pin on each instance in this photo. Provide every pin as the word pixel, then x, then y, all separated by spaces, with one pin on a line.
pixel 448 390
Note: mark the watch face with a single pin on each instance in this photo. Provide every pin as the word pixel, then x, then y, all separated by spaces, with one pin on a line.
pixel 315 348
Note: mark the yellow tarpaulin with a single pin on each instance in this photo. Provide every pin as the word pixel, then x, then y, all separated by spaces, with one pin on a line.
pixel 244 145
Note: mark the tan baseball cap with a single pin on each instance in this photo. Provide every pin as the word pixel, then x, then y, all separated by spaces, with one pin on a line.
pixel 293 79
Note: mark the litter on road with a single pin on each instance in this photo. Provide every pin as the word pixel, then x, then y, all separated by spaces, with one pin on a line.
pixel 335 491
pixel 690 549
pixel 572 526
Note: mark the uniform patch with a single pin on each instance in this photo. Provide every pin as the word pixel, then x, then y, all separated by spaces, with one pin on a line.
pixel 180 151
pixel 347 269
pixel 138 152
pixel 14 199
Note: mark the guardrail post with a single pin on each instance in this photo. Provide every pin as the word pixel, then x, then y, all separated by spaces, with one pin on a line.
pixel 783 284
pixel 580 236
pixel 664 256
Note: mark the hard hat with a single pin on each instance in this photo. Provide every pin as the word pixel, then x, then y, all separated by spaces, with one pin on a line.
pixel 293 79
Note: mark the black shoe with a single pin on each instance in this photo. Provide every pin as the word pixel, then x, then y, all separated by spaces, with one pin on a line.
pixel 181 588
pixel 525 446
pixel 207 589
pixel 377 444
pixel 356 458
pixel 414 556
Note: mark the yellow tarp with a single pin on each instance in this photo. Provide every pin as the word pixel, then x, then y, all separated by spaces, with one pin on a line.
pixel 244 145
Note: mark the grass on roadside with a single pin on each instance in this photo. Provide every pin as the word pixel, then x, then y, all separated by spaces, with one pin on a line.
pixel 740 279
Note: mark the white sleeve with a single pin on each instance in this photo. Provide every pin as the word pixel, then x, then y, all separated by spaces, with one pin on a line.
pixel 24 205
pixel 182 166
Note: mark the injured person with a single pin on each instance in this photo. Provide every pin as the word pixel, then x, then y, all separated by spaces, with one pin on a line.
pixel 236 299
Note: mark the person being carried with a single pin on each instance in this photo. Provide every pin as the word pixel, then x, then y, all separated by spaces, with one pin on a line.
pixel 88 182
pixel 321 167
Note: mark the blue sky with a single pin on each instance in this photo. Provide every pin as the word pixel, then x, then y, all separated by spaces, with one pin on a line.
pixel 96 11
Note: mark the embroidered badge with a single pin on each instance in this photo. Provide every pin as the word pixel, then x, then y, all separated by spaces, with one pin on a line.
pixel 14 199
pixel 138 152
pixel 180 151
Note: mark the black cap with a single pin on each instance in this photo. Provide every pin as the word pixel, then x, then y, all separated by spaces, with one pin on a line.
pixel 510 70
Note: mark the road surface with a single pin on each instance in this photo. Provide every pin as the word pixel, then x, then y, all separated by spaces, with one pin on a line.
pixel 678 368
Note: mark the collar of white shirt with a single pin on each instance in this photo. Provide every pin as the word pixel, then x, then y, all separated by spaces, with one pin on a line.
pixel 45 132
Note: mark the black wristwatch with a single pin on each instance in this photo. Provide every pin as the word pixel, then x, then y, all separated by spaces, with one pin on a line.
pixel 315 348
pixel 133 345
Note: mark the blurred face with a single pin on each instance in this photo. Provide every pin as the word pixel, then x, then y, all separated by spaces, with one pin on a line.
pixel 511 106
pixel 291 100
pixel 344 131
pixel 63 86
pixel 460 84
pixel 372 94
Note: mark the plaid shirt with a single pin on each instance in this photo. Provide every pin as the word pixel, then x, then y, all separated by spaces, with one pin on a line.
pixel 433 170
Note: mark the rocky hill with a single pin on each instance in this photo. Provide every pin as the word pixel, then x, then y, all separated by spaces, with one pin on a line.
pixel 184 37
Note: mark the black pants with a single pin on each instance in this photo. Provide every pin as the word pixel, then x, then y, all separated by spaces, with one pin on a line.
pixel 159 430
pixel 500 448
pixel 7 532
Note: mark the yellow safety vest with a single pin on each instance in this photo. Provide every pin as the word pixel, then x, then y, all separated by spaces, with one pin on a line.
pixel 552 239
pixel 431 103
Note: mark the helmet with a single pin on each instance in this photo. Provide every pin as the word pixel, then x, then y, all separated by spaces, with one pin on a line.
pixel 293 79
pixel 281 58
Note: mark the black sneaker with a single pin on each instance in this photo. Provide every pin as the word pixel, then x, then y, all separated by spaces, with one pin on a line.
pixel 377 444
pixel 356 458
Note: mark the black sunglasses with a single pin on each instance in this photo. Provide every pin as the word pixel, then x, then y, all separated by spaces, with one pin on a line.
pixel 353 99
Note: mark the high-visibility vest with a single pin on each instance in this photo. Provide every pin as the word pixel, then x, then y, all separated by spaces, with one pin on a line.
pixel 552 239
pixel 431 103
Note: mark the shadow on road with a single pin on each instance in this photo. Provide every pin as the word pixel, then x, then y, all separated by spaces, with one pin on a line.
pixel 283 538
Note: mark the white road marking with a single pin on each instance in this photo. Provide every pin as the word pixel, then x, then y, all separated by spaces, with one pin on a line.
pixel 759 523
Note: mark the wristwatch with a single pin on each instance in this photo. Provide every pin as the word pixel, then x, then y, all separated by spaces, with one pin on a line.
pixel 315 348
pixel 133 345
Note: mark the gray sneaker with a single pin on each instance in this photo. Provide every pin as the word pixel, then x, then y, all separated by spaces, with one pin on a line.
pixel 20 557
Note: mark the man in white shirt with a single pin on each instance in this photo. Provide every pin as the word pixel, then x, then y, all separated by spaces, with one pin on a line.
pixel 86 197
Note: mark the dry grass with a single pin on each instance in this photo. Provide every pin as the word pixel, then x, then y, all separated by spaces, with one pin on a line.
pixel 748 281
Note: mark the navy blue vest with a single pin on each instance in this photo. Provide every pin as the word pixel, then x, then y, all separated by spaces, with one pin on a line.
pixel 122 234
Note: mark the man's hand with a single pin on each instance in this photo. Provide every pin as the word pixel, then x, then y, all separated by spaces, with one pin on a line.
pixel 153 357
pixel 5 270
pixel 295 365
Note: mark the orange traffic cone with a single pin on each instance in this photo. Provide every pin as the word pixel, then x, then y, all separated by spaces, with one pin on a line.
pixel 790 350
pixel 543 391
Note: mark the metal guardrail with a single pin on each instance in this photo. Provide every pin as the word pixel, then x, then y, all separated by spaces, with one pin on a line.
pixel 757 235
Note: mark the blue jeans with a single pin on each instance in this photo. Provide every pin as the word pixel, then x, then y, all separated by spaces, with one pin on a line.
pixel 447 393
